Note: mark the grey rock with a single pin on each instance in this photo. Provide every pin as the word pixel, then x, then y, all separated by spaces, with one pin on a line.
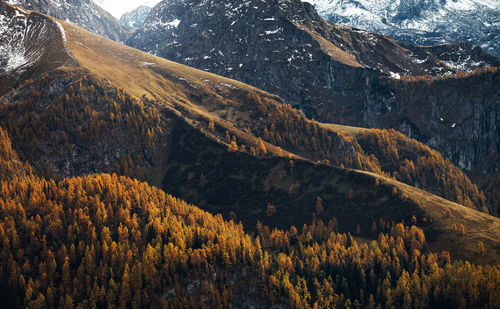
pixel 334 73
pixel 83 13
pixel 421 22
pixel 135 18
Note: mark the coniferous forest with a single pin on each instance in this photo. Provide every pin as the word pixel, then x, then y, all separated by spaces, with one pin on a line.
pixel 110 241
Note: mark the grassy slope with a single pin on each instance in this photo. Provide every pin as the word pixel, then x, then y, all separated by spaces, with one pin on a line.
pixel 478 226
pixel 175 86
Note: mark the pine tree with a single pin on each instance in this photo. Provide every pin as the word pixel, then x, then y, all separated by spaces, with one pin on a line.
pixel 261 147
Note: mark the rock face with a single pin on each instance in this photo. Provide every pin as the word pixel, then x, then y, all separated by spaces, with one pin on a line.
pixel 135 18
pixel 83 13
pixel 30 43
pixel 334 73
pixel 421 22
pixel 458 116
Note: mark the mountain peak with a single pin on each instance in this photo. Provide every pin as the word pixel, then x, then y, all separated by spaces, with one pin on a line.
pixel 29 43
pixel 335 73
pixel 83 13
pixel 285 47
pixel 421 22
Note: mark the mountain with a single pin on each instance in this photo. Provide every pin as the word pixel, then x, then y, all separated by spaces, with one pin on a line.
pixel 163 122
pixel 271 121
pixel 26 39
pixel 83 13
pixel 135 18
pixel 421 22
pixel 74 233
pixel 339 74
pixel 284 33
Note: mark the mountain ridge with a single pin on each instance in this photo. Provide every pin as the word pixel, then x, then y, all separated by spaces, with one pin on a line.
pixel 84 13
pixel 134 19
pixel 76 234
pixel 154 249
pixel 421 22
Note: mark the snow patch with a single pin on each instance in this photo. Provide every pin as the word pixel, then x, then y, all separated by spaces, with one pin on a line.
pixel 273 31
pixel 63 33
pixel 12 50
pixel 395 75
pixel 224 85
pixel 422 22
pixel 172 24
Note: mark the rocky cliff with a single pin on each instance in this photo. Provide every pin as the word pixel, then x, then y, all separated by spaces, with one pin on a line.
pixel 83 13
pixel 334 73
pixel 135 18
pixel 460 116
pixel 421 22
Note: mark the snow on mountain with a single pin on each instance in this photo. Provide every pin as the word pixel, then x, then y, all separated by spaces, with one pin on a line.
pixel 119 7
pixel 423 22
pixel 12 54
pixel 29 44
pixel 135 18
pixel 83 13
pixel 15 55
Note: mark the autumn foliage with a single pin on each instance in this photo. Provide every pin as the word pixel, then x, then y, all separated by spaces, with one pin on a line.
pixel 84 120
pixel 110 241
pixel 418 165
pixel 97 128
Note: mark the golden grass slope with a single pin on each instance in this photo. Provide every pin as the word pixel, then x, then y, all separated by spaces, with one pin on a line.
pixel 446 220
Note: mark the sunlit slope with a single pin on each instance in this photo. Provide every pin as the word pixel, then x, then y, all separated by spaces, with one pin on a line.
pixel 143 74
pixel 445 231
pixel 195 93
pixel 108 241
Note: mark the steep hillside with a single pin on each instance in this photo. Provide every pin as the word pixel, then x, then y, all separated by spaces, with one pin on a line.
pixel 287 33
pixel 73 136
pixel 106 241
pixel 281 192
pixel 75 124
pixel 267 118
pixel 466 133
pixel 415 164
pixel 336 73
pixel 421 22
pixel 79 122
pixel 83 13
pixel 30 44
pixel 11 166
